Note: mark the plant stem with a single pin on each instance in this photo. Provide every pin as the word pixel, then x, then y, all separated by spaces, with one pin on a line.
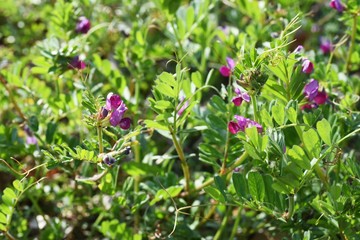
pixel 239 161
pixel 208 215
pixel 99 131
pixel 255 108
pixel 352 42
pixel 291 206
pixel 236 224
pixel 223 225
pixel 184 165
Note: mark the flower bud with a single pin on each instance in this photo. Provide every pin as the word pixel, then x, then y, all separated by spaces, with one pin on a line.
pixel 83 25
pixel 109 160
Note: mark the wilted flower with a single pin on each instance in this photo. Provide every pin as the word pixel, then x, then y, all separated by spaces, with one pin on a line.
pixel 307 66
pixel 311 89
pixel 83 25
pixel 30 138
pixel 226 70
pixel 243 123
pixel 109 160
pixel 336 4
pixel 325 45
pixel 238 99
pixel 299 49
pixel 77 63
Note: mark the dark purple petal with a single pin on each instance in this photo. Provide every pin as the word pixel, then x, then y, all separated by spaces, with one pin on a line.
pixel 325 45
pixel 103 113
pixel 109 160
pixel 307 66
pixel 83 25
pixel 76 63
pixel 311 89
pixel 336 4
pixel 125 123
pixel 113 101
pixel 252 123
pixel 233 127
pixel 225 71
pixel 237 101
pixel 321 97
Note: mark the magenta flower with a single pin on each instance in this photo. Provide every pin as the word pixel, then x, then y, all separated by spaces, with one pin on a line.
pixel 117 109
pixel 242 123
pixel 336 4
pixel 113 101
pixel 314 96
pixel 117 114
pixel 238 99
pixel 226 70
pixel 325 45
pixel 125 123
pixel 311 89
pixel 83 25
pixel 307 66
pixel 321 97
pixel 76 63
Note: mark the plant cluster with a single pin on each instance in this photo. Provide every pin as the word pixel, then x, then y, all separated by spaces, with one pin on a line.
pixel 163 119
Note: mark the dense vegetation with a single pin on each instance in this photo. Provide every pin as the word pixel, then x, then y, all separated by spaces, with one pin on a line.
pixel 192 119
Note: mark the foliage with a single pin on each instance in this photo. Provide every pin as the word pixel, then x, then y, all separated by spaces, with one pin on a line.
pixel 163 119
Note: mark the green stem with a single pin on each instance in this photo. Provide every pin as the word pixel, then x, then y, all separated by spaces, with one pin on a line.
pixel 236 224
pixel 237 163
pixel 255 107
pixel 291 206
pixel 9 236
pixel 184 165
pixel 99 131
pixel 223 225
pixel 136 188
pixel 353 37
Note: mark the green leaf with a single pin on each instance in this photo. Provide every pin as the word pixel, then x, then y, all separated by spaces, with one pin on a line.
pixel 5 209
pixel 221 185
pixel 50 131
pixel 218 103
pixel 167 78
pixel 312 143
pixel 281 187
pixel 256 186
pixel 190 17
pixel 292 115
pixel 162 194
pixel 156 125
pixel 3 218
pixel 240 185
pixel 196 79
pixel 163 105
pixel 10 193
pixel 278 113
pixel 298 156
pixel 166 90
pixel 215 194
pixel 141 169
pixel 324 129
pixel 266 118
pixel 34 123
pixel 18 185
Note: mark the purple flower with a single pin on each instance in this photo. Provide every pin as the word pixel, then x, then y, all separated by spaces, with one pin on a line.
pixel 183 107
pixel 83 25
pixel 238 99
pixel 118 114
pixel 125 123
pixel 30 138
pixel 336 4
pixel 233 127
pixel 226 70
pixel 103 113
pixel 311 89
pixel 321 97
pixel 307 66
pixel 325 45
pixel 113 101
pixel 243 123
pixel 76 63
